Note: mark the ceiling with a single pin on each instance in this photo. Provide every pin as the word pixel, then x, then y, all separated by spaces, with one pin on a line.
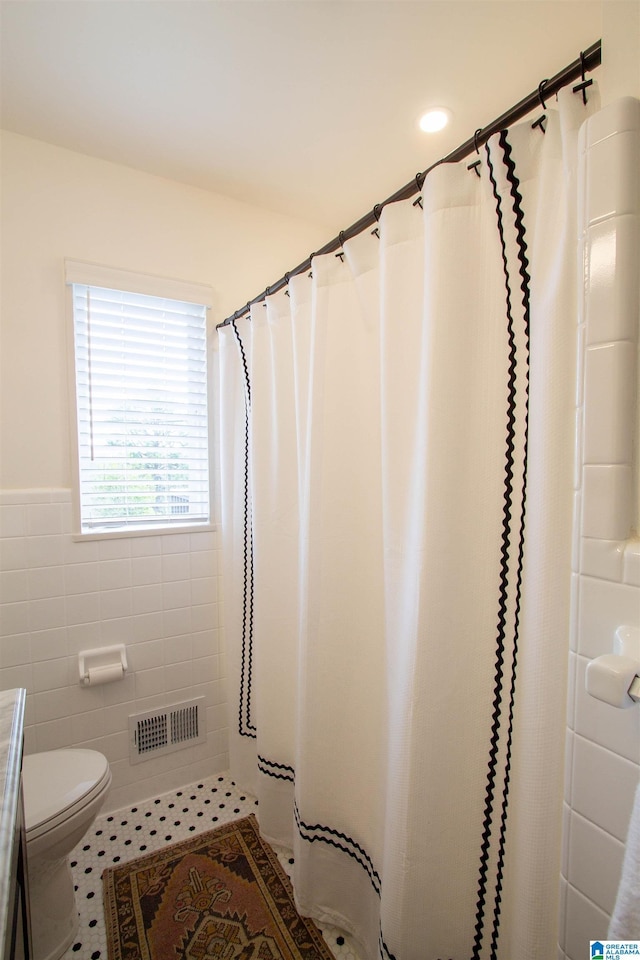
pixel 306 107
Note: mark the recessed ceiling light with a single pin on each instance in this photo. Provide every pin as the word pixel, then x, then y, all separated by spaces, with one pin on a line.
pixel 434 120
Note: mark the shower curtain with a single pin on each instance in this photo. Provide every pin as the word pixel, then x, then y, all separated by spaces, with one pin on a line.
pixel 397 436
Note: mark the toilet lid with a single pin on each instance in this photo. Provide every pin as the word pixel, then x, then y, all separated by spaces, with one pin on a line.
pixel 58 780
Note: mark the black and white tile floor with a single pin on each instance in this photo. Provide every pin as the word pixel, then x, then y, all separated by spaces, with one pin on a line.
pixel 133 831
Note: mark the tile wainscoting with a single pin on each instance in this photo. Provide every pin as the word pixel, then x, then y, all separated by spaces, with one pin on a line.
pixel 159 595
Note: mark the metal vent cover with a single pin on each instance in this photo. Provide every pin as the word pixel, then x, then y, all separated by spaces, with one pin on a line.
pixel 161 731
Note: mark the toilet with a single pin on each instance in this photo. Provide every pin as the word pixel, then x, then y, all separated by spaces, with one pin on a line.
pixel 63 791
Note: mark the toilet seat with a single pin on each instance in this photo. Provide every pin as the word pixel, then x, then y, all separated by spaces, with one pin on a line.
pixel 58 784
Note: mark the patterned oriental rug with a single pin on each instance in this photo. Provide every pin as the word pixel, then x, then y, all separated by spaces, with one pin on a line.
pixel 221 895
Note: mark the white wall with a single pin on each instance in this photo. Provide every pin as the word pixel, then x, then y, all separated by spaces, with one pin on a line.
pixel 620 73
pixel 159 594
pixel 56 204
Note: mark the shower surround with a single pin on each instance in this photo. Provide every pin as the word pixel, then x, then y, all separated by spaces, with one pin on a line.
pixel 603 743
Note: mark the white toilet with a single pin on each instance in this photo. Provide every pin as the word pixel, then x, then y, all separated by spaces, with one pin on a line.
pixel 63 792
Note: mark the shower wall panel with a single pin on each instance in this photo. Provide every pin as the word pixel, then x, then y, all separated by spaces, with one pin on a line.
pixel 603 742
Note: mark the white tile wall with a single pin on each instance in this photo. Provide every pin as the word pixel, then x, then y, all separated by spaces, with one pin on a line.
pixel 159 595
pixel 603 752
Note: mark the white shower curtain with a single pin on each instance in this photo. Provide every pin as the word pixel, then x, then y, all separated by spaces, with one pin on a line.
pixel 397 487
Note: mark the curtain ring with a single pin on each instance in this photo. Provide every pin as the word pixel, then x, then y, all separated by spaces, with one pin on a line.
pixel 475 140
pixel 541 86
pixel 420 179
pixel 341 238
pixel 585 83
pixel 377 210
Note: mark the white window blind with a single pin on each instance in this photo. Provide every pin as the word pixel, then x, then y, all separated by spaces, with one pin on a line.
pixel 141 399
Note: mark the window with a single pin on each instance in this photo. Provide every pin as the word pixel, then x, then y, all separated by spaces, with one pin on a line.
pixel 140 374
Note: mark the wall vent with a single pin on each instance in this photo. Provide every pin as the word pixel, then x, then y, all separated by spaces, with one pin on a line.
pixel 175 727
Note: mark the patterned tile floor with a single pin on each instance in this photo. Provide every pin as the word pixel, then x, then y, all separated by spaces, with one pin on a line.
pixel 133 831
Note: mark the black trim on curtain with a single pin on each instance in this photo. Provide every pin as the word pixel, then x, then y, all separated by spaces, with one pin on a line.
pixel 513 534
pixel 246 726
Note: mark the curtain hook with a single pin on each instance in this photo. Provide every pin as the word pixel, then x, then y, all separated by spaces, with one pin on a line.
pixel 475 140
pixel 420 179
pixel 540 121
pixel 377 210
pixel 582 86
pixel 541 87
pixel 474 166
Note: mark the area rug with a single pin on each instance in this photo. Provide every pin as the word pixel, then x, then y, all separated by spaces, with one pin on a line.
pixel 221 895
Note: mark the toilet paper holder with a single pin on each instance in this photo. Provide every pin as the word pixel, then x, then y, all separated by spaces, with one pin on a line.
pixel 614 677
pixel 102 665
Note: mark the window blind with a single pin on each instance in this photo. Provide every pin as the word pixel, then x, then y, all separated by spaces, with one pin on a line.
pixel 141 390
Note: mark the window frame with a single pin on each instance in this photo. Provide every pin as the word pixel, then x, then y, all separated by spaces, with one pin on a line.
pixel 96 275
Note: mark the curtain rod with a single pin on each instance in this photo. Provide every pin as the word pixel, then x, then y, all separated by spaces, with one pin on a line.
pixel 588 60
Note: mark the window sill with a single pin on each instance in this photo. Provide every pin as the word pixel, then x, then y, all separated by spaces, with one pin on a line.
pixel 156 532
